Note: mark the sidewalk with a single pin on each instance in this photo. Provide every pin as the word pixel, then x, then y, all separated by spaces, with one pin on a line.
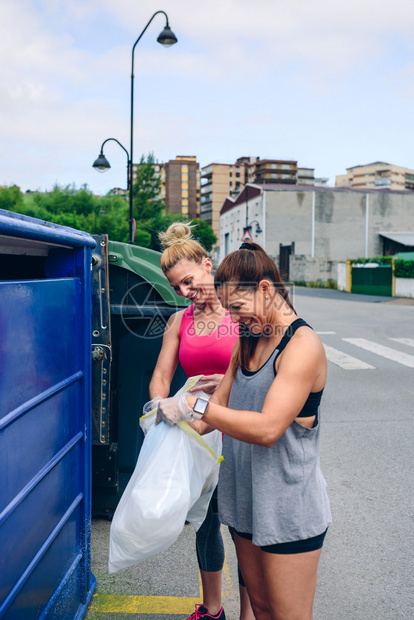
pixel 165 587
pixel 329 293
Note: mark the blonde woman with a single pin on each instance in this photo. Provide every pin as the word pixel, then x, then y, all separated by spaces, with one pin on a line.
pixel 201 338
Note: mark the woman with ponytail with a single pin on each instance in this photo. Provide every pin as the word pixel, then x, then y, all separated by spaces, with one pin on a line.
pixel 271 489
pixel 201 338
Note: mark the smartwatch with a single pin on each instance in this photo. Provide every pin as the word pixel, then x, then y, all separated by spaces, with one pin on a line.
pixel 200 408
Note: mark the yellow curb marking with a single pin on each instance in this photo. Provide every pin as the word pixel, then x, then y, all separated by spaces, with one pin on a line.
pixel 129 604
pixel 117 603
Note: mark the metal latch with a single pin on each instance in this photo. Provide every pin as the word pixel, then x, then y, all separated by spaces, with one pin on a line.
pixel 101 366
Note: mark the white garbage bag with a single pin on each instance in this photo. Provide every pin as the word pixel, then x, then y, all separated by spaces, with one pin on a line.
pixel 174 478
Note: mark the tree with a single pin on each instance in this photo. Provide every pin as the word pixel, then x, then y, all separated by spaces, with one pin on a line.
pixel 80 209
pixel 11 198
pixel 149 208
pixel 147 190
pixel 77 208
pixel 204 234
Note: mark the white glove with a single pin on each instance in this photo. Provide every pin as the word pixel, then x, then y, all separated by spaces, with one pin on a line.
pixel 174 410
pixel 150 405
pixel 146 420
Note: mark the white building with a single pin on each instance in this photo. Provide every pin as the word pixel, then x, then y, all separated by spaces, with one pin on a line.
pixel 309 229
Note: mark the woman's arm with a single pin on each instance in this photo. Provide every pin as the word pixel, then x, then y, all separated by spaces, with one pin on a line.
pixel 208 383
pixel 220 396
pixel 168 358
pixel 302 363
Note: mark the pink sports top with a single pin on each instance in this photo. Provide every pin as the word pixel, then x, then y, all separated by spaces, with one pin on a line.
pixel 210 354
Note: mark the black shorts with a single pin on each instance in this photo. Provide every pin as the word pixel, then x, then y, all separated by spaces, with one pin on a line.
pixel 296 546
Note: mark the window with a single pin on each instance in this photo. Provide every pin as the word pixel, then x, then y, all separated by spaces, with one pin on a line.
pixel 184 193
pixel 184 202
pixel 184 186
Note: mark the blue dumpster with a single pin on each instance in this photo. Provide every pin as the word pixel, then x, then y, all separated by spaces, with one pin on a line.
pixel 45 404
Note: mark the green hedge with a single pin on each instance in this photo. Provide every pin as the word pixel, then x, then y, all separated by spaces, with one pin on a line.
pixel 404 268
pixel 381 260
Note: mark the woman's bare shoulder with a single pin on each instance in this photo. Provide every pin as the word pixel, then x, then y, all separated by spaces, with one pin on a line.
pixel 306 335
pixel 174 321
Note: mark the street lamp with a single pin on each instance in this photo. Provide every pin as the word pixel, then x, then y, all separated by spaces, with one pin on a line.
pixel 101 164
pixel 248 226
pixel 166 38
pixel 258 229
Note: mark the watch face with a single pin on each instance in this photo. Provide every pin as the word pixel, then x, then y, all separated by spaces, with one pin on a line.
pixel 200 406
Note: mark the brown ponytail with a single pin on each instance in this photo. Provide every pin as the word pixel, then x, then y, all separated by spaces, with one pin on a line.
pixel 245 268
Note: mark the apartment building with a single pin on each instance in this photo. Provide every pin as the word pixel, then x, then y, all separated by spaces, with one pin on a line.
pixel 281 172
pixel 222 180
pixel 219 181
pixel 377 175
pixel 180 185
pixel 181 180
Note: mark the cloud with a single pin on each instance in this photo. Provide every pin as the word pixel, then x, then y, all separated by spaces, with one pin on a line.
pixel 245 75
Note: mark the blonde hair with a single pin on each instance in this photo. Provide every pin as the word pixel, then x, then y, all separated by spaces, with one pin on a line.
pixel 178 243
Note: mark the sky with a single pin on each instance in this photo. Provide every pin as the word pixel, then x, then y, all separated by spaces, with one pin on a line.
pixel 327 83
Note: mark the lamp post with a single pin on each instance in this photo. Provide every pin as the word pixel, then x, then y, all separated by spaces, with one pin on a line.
pixel 166 38
pixel 101 164
pixel 258 228
pixel 248 226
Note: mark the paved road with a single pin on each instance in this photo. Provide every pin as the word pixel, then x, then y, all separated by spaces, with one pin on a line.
pixel 367 454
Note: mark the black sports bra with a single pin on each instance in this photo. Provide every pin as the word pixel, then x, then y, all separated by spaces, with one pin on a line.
pixel 311 406
pixel 313 401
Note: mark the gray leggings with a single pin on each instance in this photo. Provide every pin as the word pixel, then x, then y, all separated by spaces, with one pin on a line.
pixel 209 542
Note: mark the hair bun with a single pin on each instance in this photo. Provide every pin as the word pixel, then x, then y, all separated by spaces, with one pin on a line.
pixel 176 234
pixel 247 246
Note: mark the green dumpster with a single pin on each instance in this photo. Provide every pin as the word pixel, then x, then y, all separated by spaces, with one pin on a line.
pixel 131 303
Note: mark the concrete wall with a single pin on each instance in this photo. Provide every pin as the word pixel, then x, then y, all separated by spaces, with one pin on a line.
pixel 340 221
pixel 404 287
pixel 341 276
pixel 306 269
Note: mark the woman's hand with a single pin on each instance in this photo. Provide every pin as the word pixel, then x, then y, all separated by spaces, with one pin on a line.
pixel 174 410
pixel 207 383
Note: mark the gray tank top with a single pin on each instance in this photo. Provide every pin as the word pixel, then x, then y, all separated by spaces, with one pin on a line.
pixel 277 494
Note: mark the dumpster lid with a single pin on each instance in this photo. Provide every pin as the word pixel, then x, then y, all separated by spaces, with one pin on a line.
pixel 145 263
pixel 22 226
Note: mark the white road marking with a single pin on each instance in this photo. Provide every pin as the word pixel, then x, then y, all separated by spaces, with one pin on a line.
pixel 407 341
pixel 325 333
pixel 347 362
pixel 379 349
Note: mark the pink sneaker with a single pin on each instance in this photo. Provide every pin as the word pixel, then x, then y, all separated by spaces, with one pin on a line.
pixel 202 612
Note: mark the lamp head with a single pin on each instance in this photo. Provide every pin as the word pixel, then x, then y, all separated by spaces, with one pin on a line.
pixel 167 37
pixel 258 230
pixel 101 164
